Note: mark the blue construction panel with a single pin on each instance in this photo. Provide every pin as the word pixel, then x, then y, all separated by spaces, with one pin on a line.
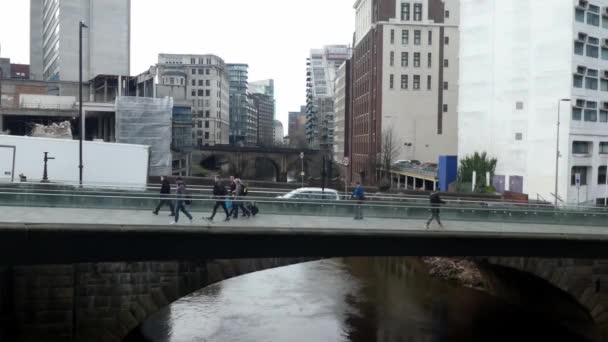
pixel 448 171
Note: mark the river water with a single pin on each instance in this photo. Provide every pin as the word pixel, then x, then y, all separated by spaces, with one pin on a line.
pixel 356 300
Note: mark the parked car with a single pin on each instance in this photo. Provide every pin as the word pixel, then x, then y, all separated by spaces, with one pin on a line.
pixel 312 193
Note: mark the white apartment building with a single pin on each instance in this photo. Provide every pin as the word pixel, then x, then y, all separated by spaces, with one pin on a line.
pixel 207 89
pixel 521 65
pixel 54 43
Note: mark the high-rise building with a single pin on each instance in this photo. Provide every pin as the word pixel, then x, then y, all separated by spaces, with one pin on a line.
pixel 243 118
pixel 203 81
pixel 534 93
pixel 264 106
pixel 342 107
pixel 322 66
pixel 279 133
pixel 404 79
pixel 297 128
pixel 54 43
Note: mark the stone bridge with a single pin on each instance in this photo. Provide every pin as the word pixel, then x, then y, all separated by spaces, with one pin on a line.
pixel 103 302
pixel 245 162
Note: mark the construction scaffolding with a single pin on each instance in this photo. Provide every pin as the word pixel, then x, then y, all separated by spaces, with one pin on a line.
pixel 147 121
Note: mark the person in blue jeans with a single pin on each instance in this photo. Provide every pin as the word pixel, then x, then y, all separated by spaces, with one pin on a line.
pixel 359 195
pixel 180 202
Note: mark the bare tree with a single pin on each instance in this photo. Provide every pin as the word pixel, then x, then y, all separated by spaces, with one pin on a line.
pixel 389 150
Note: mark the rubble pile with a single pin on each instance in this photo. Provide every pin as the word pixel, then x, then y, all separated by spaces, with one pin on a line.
pixel 63 130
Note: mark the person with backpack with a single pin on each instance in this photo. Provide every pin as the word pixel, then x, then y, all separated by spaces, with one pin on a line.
pixel 237 202
pixel 165 194
pixel 359 195
pixel 436 202
pixel 219 193
pixel 181 199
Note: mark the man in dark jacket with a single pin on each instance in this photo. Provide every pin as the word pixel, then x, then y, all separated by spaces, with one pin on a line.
pixel 436 202
pixel 219 193
pixel 165 194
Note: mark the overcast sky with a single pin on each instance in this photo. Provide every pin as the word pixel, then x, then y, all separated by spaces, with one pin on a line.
pixel 272 36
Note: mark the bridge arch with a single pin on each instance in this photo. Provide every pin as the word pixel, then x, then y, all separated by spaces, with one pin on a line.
pixel 562 289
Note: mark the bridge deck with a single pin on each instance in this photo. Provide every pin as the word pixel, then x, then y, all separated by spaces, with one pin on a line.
pixel 43 235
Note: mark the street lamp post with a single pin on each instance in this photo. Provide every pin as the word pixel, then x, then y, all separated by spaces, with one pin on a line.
pixel 81 25
pixel 557 153
pixel 302 170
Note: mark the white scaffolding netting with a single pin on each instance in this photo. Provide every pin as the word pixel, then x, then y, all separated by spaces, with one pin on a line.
pixel 147 121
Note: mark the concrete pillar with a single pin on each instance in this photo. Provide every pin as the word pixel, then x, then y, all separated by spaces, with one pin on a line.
pixel 398 181
pixel 1 123
pixel 105 90
pixel 99 134
pixel 434 185
pixel 119 89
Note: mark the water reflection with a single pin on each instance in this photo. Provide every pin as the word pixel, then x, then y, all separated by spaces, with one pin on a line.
pixel 357 300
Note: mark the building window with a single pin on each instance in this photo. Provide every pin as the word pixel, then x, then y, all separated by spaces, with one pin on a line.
pixel 392 58
pixel 201 92
pixel 604 147
pixel 405 11
pixel 446 63
pixel 417 35
pixel 192 60
pixel 199 124
pixel 582 170
pixel 207 92
pixel 405 37
pixel 392 36
pixel 416 82
pixel 193 71
pixel 404 79
pixel 200 83
pixel 593 17
pixel 200 71
pixel 579 48
pixel 591 115
pixel 193 83
pixel 445 108
pixel 417 12
pixel 206 124
pixel 207 72
pixel 577 114
pixel 207 135
pixel 429 60
pixel 579 15
pixel 446 40
pixel 601 175
pixel 581 147
pixel 603 116
pixel 207 83
pixel 207 113
pixel 430 38
pixel 391 82
pixel 447 14
pixel 416 59
pixel 404 59
pixel 593 51
pixel 578 81
pixel 445 86
pixel 428 82
pixel 194 93
pixel 591 80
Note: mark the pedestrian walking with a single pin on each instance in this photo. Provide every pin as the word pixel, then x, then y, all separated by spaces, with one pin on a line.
pixel 219 194
pixel 165 196
pixel 180 201
pixel 237 200
pixel 359 196
pixel 232 186
pixel 436 202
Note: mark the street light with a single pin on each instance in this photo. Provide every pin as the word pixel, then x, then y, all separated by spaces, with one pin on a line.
pixel 81 25
pixel 557 154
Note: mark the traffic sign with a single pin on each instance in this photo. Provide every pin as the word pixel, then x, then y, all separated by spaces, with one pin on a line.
pixel 345 161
